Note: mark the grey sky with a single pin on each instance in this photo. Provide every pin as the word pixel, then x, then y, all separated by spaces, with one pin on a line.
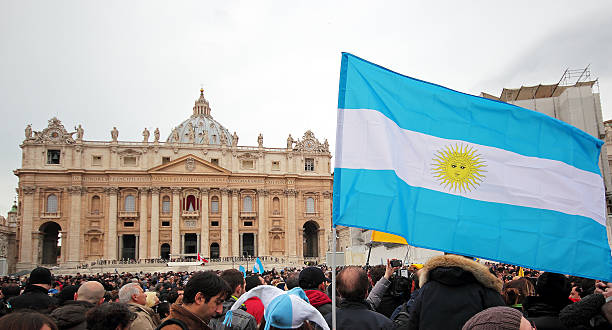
pixel 267 66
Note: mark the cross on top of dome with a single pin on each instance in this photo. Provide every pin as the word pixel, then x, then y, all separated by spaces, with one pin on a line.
pixel 201 106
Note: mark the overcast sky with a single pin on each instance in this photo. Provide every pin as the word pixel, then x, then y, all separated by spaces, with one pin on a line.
pixel 267 66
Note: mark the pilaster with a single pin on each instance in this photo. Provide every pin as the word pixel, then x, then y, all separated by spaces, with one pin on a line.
pixel 25 253
pixel 235 224
pixel 154 223
pixel 223 248
pixel 143 241
pixel 291 236
pixel 74 234
pixel 204 223
pixel 175 248
pixel 111 238
pixel 262 223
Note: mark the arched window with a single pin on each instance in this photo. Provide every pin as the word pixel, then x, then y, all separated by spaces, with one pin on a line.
pixel 95 204
pixel 166 204
pixel 52 203
pixel 130 204
pixel 214 250
pixel 247 204
pixel 214 204
pixel 275 206
pixel 310 205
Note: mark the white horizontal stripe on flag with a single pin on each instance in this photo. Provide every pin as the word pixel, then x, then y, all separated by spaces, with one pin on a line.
pixel 370 140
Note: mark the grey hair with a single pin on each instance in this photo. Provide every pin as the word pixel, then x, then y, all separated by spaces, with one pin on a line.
pixel 126 292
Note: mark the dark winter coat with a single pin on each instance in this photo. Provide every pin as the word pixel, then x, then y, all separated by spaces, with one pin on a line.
pixel 543 313
pixel 358 315
pixel 319 300
pixel 34 297
pixel 240 318
pixel 585 314
pixel 453 289
pixel 71 316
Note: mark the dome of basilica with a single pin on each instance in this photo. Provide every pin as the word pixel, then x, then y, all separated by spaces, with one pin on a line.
pixel 201 128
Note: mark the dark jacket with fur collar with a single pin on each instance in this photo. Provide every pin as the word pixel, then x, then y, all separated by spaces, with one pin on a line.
pixel 453 289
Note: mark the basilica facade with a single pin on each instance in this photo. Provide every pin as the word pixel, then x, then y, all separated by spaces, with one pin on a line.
pixel 197 192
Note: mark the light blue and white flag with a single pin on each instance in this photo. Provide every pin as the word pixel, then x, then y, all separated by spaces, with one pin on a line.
pixel 242 270
pixel 259 265
pixel 467 175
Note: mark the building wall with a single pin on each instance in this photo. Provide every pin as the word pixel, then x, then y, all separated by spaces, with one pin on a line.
pixel 151 171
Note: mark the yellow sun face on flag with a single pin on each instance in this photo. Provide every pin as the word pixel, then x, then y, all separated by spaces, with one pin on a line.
pixel 458 168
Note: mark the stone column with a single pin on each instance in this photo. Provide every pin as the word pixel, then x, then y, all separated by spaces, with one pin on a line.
pixel 74 233
pixel 25 253
pixel 327 221
pixel 142 243
pixel 154 223
pixel 223 248
pixel 235 225
pixel 204 223
pixel 262 224
pixel 291 237
pixel 37 238
pixel 176 228
pixel 111 236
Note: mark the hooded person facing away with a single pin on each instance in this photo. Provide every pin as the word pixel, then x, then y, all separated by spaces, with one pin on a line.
pixel 453 289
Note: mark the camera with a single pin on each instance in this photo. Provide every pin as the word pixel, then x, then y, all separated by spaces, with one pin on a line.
pixel 396 263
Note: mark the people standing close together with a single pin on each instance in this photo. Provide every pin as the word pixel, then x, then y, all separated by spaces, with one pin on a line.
pixel 448 292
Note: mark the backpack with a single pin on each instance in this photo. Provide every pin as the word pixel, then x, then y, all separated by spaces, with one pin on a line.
pixel 173 321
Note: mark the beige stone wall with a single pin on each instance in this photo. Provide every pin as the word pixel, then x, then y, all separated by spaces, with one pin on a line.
pixel 93 179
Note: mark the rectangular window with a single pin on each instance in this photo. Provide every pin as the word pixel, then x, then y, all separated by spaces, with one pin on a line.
pixel 165 160
pixel 214 223
pixel 248 223
pixel 53 157
pixel 276 166
pixel 96 160
pixel 215 161
pixel 128 224
pixel 129 161
pixel 309 164
pixel 214 206
pixel 247 164
pixel 165 223
pixel 166 205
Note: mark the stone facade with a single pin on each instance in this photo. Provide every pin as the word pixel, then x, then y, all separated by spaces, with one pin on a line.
pixel 197 192
pixel 8 230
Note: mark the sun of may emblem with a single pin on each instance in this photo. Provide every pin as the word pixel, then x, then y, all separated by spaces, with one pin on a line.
pixel 458 167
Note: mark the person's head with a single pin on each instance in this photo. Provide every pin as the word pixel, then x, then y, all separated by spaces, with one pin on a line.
pixel 132 293
pixel 152 299
pixel 312 278
pixel 293 280
pixel 90 291
pixel 498 318
pixel 352 283
pixel 27 320
pixel 377 272
pixel 553 287
pixel 524 287
pixel 67 293
pixel 235 280
pixel 42 277
pixel 10 290
pixel 205 293
pixel 116 316
pixel 163 309
pixel 253 281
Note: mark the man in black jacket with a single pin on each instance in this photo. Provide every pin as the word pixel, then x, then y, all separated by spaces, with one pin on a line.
pixel 552 295
pixel 35 296
pixel 353 310
pixel 313 282
pixel 71 316
pixel 453 289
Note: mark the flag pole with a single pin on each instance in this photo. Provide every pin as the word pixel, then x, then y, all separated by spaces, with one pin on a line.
pixel 333 293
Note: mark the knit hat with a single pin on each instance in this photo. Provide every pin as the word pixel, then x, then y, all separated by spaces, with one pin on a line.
pixel 495 318
pixel 311 277
pixel 40 275
pixel 282 309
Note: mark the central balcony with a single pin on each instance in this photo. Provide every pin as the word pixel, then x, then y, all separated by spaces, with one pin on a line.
pixel 51 215
pixel 190 214
pixel 248 214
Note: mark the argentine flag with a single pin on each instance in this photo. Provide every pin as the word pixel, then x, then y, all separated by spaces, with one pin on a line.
pixel 467 175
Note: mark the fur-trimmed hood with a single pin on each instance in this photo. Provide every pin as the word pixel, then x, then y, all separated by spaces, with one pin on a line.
pixel 481 273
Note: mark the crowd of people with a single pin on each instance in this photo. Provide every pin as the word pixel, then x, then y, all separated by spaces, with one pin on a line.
pixel 447 292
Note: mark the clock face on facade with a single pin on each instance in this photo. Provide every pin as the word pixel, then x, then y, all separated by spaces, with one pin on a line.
pixel 54 134
pixel 309 144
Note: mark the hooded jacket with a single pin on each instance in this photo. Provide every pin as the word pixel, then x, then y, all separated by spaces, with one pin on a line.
pixel 319 300
pixel 71 316
pixel 453 289
pixel 544 313
pixel 240 318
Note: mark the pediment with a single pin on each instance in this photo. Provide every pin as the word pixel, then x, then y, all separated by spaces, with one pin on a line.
pixel 189 164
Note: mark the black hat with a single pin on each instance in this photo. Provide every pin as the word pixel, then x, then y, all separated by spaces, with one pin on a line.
pixel 553 286
pixel 311 277
pixel 40 275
